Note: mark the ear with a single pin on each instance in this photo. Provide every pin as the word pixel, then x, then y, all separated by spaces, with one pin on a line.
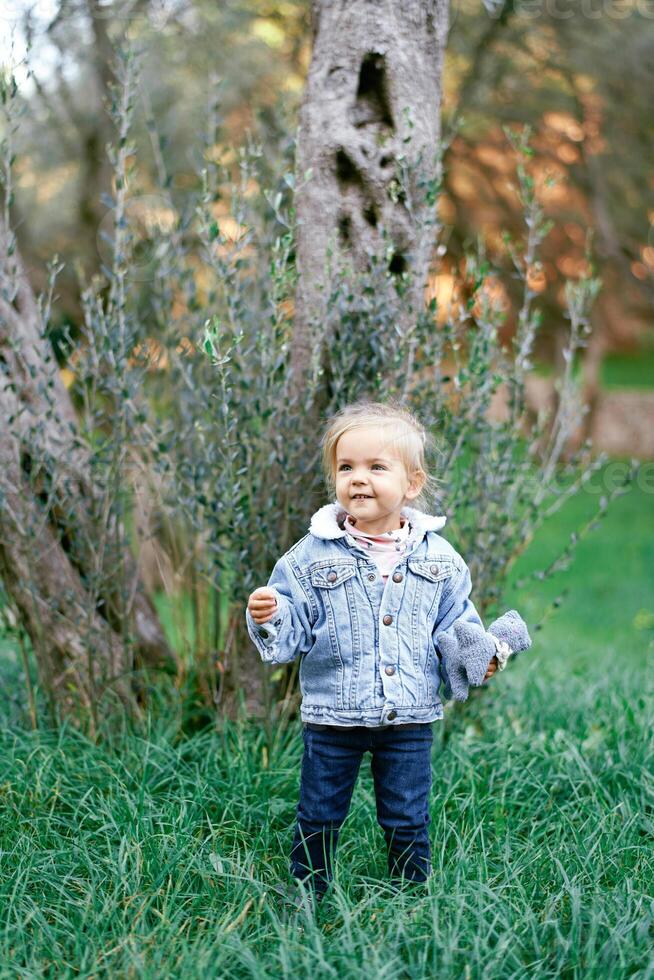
pixel 416 484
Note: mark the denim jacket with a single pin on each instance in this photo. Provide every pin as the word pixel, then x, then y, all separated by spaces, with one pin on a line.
pixel 368 649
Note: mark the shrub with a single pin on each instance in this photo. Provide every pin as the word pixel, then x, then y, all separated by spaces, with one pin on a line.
pixel 208 458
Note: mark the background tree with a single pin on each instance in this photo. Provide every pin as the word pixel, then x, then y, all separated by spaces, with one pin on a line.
pixel 583 91
pixel 367 154
pixel 64 561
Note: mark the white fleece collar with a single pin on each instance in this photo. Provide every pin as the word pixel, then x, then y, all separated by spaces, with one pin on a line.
pixel 324 523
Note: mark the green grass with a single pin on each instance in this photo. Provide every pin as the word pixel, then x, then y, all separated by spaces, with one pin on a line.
pixel 153 856
pixel 628 371
pixel 607 593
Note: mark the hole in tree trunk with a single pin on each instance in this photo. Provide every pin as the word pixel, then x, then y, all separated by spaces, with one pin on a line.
pixel 40 484
pixel 345 229
pixel 397 265
pixel 26 463
pixel 372 95
pixel 38 480
pixel 370 214
pixel 346 172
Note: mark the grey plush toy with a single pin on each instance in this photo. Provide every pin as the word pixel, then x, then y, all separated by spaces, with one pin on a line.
pixel 467 649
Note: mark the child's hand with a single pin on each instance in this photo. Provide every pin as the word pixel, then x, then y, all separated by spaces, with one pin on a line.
pixel 492 667
pixel 262 605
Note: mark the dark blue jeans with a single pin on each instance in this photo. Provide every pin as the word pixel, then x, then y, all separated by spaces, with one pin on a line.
pixel 401 769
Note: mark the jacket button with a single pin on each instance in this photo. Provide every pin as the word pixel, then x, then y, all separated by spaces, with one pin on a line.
pixel 262 632
pixel 389 670
pixel 371 577
pixel 433 569
pixel 391 715
pixel 387 620
pixel 398 576
pixel 332 577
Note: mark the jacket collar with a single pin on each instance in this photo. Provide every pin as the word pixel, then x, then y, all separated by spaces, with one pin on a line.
pixel 324 523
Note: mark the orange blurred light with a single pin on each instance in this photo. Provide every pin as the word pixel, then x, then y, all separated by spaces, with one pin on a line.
pixel 564 123
pixel 185 346
pixel 446 209
pixel 648 255
pixel 67 376
pixel 230 229
pixel 494 157
pixel 153 351
pixel 441 288
pixel 491 294
pixel 286 308
pixel 567 153
pixel 575 233
pixel 536 278
pixel 466 185
pixel 572 266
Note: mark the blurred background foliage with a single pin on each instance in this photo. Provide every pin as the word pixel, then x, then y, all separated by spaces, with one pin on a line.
pixel 581 76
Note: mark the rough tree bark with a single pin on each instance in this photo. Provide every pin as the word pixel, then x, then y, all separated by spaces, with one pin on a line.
pixel 54 545
pixel 371 111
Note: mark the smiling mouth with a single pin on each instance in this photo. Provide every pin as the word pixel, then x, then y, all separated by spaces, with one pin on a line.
pixel 361 496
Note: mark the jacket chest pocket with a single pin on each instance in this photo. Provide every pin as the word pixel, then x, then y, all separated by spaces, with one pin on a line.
pixel 432 569
pixel 331 575
pixel 332 583
pixel 429 576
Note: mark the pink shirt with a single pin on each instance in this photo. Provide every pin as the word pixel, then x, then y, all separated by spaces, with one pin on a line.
pixel 385 549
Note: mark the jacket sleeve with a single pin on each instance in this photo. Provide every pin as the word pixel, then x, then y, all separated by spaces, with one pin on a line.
pixel 290 631
pixel 456 603
pixel 464 647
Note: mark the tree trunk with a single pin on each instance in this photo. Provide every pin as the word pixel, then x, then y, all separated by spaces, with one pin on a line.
pixel 369 134
pixel 79 598
pixel 95 133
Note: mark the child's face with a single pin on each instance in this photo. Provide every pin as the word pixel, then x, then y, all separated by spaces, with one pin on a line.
pixel 365 464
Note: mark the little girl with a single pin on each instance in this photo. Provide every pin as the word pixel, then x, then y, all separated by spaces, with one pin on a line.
pixel 376 603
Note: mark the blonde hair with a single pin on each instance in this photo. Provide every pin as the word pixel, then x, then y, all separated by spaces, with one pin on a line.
pixel 406 436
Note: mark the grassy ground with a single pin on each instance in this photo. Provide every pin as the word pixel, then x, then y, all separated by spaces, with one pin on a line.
pixel 153 857
pixel 626 370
